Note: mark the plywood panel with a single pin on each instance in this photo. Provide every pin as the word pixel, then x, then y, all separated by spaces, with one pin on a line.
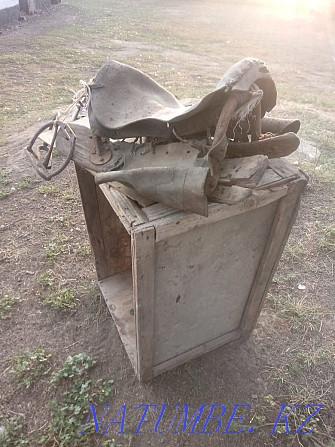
pixel 118 293
pixel 143 249
pixel 109 240
pixel 203 279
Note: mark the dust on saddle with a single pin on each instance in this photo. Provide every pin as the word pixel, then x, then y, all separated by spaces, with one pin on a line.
pixel 140 135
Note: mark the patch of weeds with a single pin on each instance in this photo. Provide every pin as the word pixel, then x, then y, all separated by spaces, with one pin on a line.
pixel 27 181
pixel 271 406
pixel 60 220
pixel 83 250
pixel 4 192
pixel 49 190
pixel 4 181
pixel 55 248
pixel 3 142
pixel 297 312
pixel 70 198
pixel 316 356
pixel 4 178
pixel 71 408
pixel 92 289
pixel 327 241
pixel 62 299
pixel 325 171
pixel 294 251
pixel 110 443
pixel 70 411
pixel 47 278
pixel 6 304
pixel 30 366
pixel 73 367
pixel 284 278
pixel 12 434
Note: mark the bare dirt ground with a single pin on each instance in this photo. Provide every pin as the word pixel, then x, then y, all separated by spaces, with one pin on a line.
pixel 186 46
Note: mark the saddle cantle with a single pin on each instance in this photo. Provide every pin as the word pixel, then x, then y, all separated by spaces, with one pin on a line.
pixel 127 103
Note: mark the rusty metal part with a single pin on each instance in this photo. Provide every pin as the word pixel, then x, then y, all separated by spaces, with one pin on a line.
pixel 101 152
pixel 85 146
pixel 43 165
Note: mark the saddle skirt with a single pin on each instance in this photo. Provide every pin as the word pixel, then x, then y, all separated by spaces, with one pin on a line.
pixel 126 103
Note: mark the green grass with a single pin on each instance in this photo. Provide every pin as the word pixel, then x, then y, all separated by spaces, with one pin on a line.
pixel 83 250
pixel 327 241
pixel 28 367
pixel 297 312
pixel 316 356
pixel 294 251
pixel 56 248
pixel 4 178
pixel 6 304
pixel 47 278
pixel 71 394
pixel 13 435
pixel 69 408
pixel 4 181
pixel 63 299
pixel 73 367
pixel 61 221
pixel 27 181
pixel 49 190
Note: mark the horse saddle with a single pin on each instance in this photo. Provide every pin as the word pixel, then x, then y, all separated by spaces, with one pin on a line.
pixel 126 103
pixel 178 161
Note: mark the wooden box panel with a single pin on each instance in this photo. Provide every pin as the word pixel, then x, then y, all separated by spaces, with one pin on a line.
pixel 177 284
pixel 203 279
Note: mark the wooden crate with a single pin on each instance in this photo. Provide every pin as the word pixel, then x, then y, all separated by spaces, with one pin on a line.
pixel 178 284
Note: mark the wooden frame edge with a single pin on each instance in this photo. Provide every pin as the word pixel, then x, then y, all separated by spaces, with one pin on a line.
pixel 143 247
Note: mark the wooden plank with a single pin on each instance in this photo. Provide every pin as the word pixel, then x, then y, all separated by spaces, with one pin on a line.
pixel 127 210
pixel 285 216
pixel 203 280
pixel 283 168
pixel 109 240
pixel 245 172
pixel 196 352
pixel 230 195
pixel 132 194
pixel 117 291
pixel 89 201
pixel 117 242
pixel 182 222
pixel 143 247
pixel 157 211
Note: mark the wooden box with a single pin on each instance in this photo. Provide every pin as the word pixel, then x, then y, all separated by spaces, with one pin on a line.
pixel 178 284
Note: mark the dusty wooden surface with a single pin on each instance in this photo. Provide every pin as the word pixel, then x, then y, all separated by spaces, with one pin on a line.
pixel 109 239
pixel 118 293
pixel 281 227
pixel 144 297
pixel 189 283
pixel 203 279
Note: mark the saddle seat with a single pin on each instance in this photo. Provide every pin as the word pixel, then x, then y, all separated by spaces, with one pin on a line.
pixel 126 103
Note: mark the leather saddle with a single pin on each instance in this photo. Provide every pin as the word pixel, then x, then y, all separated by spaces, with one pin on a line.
pixel 179 161
pixel 126 103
